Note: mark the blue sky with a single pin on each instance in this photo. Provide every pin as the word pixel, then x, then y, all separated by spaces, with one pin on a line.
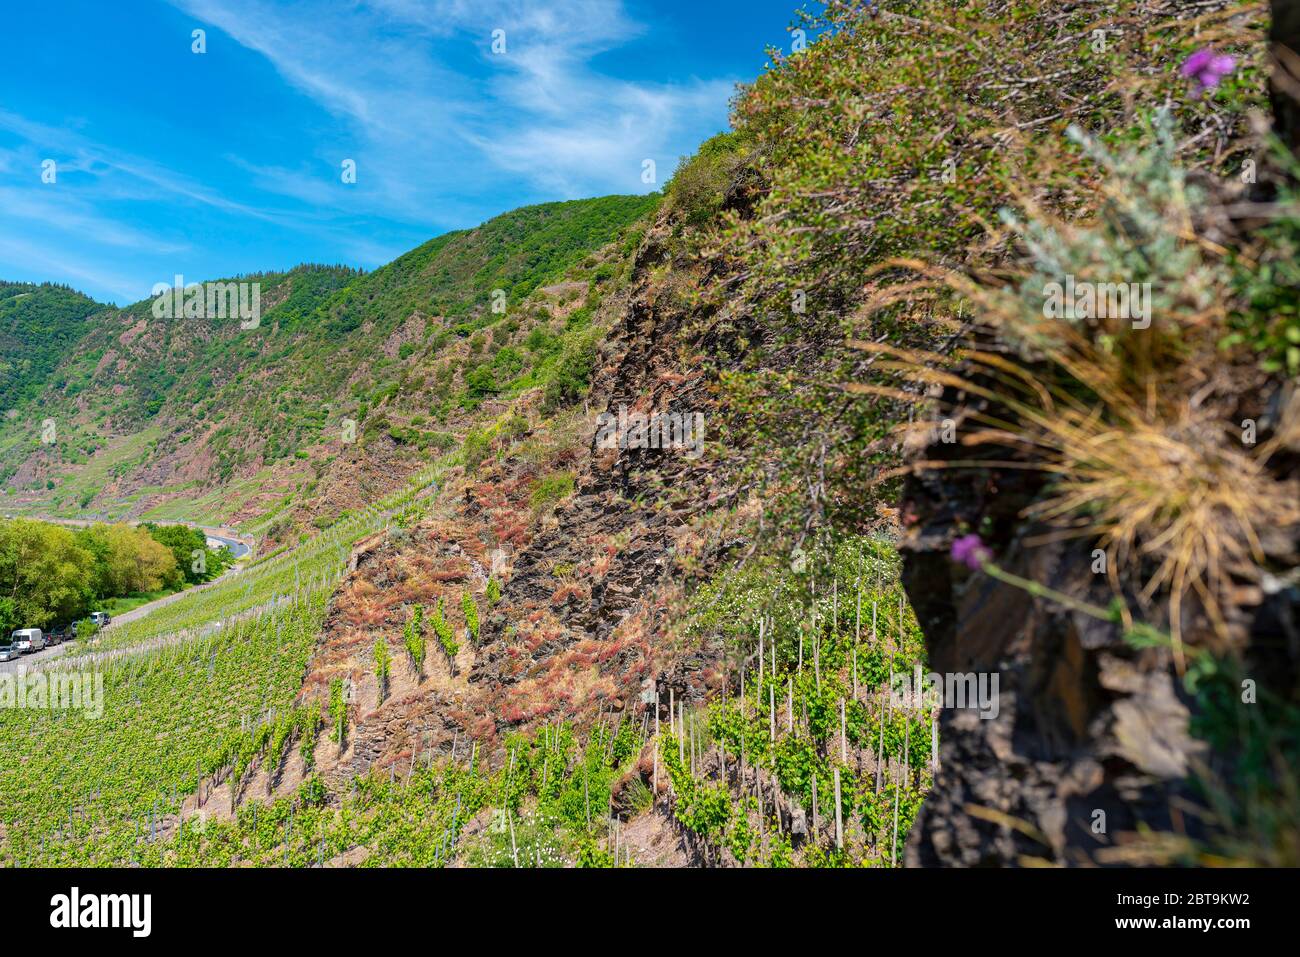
pixel 168 161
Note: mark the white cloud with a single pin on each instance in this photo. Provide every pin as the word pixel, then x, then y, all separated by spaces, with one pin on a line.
pixel 434 113
pixel 440 128
pixel 64 211
pixel 140 178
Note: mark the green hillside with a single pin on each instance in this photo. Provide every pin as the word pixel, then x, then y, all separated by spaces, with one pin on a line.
pixel 39 325
pixel 249 398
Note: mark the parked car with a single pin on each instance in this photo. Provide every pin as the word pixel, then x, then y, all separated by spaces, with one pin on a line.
pixel 100 618
pixel 8 652
pixel 27 640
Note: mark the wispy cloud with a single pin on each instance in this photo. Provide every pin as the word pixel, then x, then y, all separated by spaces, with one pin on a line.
pixel 424 120
pixel 140 177
pixel 65 212
pixel 198 178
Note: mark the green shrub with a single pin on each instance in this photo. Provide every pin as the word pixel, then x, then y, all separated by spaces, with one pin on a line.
pixel 382 665
pixel 700 182
pixel 310 729
pixel 542 341
pixel 551 489
pixel 572 373
pixel 338 710
pixel 442 629
pixel 477 447
pixel 413 638
pixel 470 609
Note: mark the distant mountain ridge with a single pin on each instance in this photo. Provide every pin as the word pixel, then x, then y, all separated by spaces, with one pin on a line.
pixel 163 404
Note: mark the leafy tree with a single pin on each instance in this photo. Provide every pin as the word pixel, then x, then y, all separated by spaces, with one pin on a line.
pixel 196 562
pixel 38 326
pixel 45 577
pixel 136 562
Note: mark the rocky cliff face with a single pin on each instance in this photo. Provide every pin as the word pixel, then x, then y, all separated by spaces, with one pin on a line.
pixel 1084 724
pixel 1091 742
pixel 588 586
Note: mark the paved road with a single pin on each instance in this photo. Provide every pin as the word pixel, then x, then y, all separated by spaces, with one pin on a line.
pixel 237 548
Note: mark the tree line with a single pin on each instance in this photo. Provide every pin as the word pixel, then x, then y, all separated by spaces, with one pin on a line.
pixel 51 575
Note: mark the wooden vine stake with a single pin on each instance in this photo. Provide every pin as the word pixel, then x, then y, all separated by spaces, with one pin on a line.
pixel 894 852
pixel 681 736
pixel 743 749
pixel 934 743
pixel 900 617
pixel 789 705
pixel 655 778
pixel 880 756
pixel 815 821
pixel 693 771
pixel 839 819
pixel 907 727
pixel 514 848
pixel 857 637
pixel 817 659
pixel 844 740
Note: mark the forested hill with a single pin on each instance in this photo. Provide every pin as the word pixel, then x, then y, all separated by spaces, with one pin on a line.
pixel 38 327
pixel 150 411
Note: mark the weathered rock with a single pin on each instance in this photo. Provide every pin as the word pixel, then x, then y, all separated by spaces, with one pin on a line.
pixel 1091 739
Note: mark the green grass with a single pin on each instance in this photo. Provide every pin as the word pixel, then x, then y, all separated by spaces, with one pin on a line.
pixel 118 455
pixel 117 606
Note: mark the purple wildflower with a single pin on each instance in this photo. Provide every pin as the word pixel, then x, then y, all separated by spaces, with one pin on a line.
pixel 971 552
pixel 1207 68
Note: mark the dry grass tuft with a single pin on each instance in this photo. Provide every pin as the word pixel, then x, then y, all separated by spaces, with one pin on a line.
pixel 1132 422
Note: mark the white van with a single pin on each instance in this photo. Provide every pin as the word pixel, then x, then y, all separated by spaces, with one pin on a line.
pixel 28 640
